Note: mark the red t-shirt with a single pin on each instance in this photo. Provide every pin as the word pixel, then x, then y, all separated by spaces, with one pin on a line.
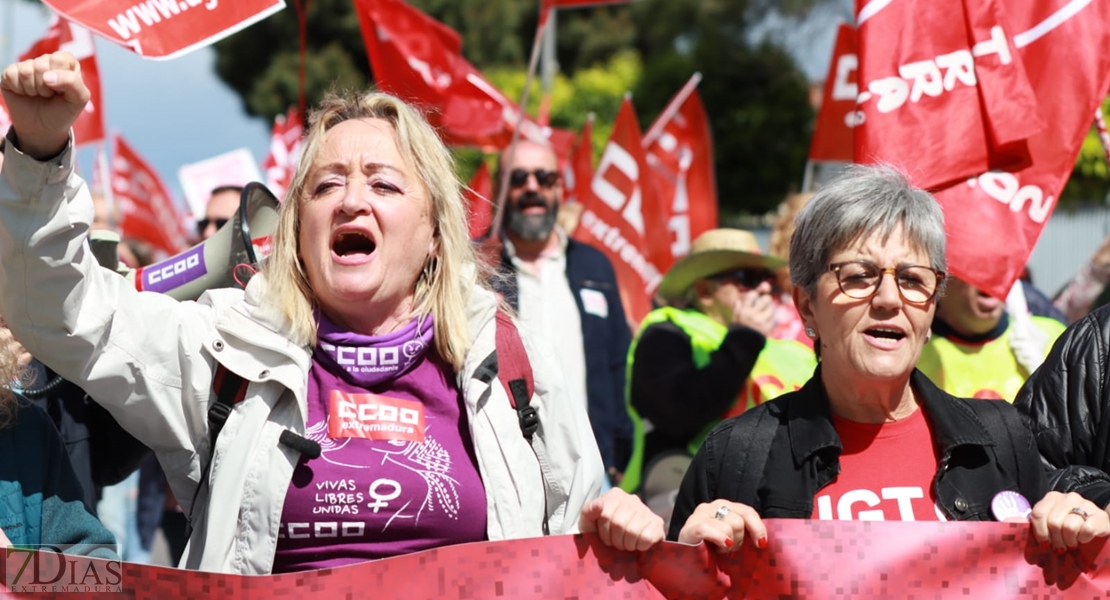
pixel 886 473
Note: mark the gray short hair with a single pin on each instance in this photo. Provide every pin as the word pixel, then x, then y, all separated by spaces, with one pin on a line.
pixel 860 202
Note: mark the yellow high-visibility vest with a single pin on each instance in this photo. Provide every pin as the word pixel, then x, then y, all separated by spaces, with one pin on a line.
pixel 782 366
pixel 985 370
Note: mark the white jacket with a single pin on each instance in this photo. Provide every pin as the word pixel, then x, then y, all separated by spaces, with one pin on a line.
pixel 150 360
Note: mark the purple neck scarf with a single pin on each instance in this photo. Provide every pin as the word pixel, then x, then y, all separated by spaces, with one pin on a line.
pixel 368 360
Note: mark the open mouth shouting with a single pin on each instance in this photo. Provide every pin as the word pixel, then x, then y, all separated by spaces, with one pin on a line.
pixel 885 336
pixel 352 246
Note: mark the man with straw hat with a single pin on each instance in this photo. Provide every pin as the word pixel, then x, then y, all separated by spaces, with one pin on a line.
pixel 705 356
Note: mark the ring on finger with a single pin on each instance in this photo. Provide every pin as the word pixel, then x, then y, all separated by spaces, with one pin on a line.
pixel 722 512
pixel 1080 512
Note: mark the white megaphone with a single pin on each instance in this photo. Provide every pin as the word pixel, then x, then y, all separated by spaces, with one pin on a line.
pixel 227 259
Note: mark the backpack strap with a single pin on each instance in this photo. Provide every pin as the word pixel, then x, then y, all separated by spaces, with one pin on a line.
pixel 745 457
pixel 515 372
pixel 230 390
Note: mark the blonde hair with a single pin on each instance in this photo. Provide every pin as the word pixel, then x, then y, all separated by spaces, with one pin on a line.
pixel 449 274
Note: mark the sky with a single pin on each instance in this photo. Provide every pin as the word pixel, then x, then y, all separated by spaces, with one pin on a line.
pixel 172 112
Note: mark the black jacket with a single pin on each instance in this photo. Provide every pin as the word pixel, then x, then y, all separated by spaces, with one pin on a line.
pixel 605 342
pixel 1067 406
pixel 977 459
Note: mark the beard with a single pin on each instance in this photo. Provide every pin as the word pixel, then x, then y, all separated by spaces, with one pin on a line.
pixel 533 228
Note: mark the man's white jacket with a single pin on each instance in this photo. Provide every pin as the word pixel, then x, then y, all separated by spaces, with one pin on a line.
pixel 150 360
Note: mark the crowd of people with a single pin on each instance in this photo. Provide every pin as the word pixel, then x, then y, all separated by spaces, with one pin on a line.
pixel 382 386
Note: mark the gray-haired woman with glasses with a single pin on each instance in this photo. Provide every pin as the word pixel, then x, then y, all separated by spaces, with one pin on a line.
pixel 869 437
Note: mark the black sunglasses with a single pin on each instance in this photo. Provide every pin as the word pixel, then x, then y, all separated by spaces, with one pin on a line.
pixel 546 179
pixel 749 278
pixel 203 224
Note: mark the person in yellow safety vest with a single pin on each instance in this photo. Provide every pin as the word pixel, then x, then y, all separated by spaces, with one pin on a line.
pixel 707 356
pixel 978 350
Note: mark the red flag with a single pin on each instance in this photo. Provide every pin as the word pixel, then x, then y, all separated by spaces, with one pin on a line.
pixel 680 152
pixel 65 36
pixel 419 59
pixel 165 29
pixel 623 212
pixel 833 137
pixel 931 70
pixel 994 218
pixel 285 152
pixel 478 195
pixel 578 173
pixel 146 210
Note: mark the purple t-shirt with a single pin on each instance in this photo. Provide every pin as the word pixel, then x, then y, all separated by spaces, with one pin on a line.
pixel 413 485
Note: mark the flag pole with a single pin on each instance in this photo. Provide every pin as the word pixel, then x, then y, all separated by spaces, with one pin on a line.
pixel 807 178
pixel 671 110
pixel 503 176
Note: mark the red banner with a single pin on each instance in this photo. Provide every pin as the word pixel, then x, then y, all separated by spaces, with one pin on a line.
pixel 285 152
pixel 146 210
pixel 834 137
pixel 623 211
pixel 165 29
pixel 994 217
pixel 65 36
pixel 479 194
pixel 419 59
pixel 943 94
pixel 578 172
pixel 679 148
pixel 804 559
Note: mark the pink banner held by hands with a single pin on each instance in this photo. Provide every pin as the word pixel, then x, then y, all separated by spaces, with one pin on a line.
pixel 804 559
pixel 65 36
pixel 164 29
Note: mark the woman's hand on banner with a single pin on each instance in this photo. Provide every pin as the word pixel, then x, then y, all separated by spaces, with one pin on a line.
pixel 622 521
pixel 725 525
pixel 1066 520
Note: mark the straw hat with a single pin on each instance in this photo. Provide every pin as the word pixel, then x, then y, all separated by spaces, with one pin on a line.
pixel 715 251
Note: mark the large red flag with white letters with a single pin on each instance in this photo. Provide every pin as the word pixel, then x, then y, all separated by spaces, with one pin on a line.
pixel 679 148
pixel 286 140
pixel 66 36
pixel 995 218
pixel 164 29
pixel 833 136
pixel 995 170
pixel 623 216
pixel 943 93
pixel 146 210
pixel 419 59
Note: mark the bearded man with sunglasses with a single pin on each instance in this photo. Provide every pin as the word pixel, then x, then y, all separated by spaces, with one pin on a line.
pixel 565 292
pixel 705 357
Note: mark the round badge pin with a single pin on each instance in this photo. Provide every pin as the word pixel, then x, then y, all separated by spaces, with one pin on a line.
pixel 1009 504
